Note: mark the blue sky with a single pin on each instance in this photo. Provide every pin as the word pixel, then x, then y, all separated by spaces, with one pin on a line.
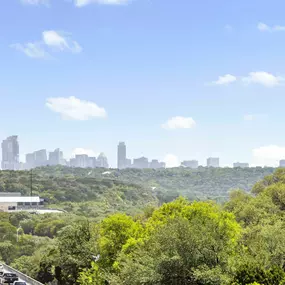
pixel 173 79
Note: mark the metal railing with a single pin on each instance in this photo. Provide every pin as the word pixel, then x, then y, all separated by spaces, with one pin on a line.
pixel 22 276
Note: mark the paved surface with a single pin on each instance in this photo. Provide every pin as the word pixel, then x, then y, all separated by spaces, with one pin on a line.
pixel 22 277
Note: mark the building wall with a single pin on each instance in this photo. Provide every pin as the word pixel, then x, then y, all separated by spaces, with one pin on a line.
pixel 4 206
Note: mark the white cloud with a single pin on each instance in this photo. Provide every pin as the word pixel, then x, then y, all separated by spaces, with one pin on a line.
pixel 33 50
pixel 72 108
pixel 225 80
pixel 179 123
pixel 264 78
pixel 171 160
pixel 249 117
pixel 89 152
pixel 35 2
pixel 51 41
pixel 268 155
pixel 265 28
pixel 228 28
pixel 60 41
pixel 81 3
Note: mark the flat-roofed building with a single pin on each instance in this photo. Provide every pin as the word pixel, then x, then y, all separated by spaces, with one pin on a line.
pixel 10 203
pixel 241 165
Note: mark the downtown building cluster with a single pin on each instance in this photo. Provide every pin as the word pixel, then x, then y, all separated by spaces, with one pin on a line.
pixel 140 163
pixel 10 158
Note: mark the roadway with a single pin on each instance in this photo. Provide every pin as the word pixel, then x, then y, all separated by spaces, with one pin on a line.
pixel 22 277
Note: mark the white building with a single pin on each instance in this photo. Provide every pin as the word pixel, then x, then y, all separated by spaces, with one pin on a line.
pixel 241 165
pixel 190 163
pixel 10 203
pixel 213 162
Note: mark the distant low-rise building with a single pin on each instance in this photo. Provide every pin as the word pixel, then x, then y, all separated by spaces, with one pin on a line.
pixel 12 203
pixel 213 162
pixel 128 163
pixel 141 163
pixel 102 161
pixel 190 163
pixel 241 165
pixel 155 164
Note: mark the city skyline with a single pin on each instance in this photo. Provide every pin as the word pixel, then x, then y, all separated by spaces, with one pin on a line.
pixel 10 152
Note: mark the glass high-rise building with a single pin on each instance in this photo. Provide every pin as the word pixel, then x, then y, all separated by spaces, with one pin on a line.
pixel 122 155
pixel 10 153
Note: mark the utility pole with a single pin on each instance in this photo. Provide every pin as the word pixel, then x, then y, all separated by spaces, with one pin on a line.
pixel 31 177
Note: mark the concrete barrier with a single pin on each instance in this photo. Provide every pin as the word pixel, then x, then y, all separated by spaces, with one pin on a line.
pixel 22 276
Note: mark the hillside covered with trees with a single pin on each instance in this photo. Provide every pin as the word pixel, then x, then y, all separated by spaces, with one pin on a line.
pixel 182 242
pixel 61 184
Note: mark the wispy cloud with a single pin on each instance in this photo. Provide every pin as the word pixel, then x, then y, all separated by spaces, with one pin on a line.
pixel 179 123
pixel 33 50
pixel 268 155
pixel 72 108
pixel 265 28
pixel 225 80
pixel 171 160
pixel 228 28
pixel 258 77
pixel 263 78
pixel 79 150
pixel 52 41
pixel 35 2
pixel 81 3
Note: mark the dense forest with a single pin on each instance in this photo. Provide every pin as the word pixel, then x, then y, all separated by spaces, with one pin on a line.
pixel 239 242
pixel 63 184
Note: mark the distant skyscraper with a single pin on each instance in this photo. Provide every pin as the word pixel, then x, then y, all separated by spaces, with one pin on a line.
pixel 141 163
pixel 122 155
pixel 241 165
pixel 10 153
pixel 92 162
pixel 102 161
pixel 30 160
pixel 282 163
pixel 82 160
pixel 190 163
pixel 56 157
pixel 213 162
pixel 40 157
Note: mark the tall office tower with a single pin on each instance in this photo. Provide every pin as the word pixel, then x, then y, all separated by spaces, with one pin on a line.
pixel 141 163
pixel 40 157
pixel 30 160
pixel 102 161
pixel 190 163
pixel 213 162
pixel 92 162
pixel 81 160
pixel 10 153
pixel 56 157
pixel 241 165
pixel 122 155
pixel 282 163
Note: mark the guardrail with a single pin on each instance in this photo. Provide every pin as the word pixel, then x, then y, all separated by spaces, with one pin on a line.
pixel 21 275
